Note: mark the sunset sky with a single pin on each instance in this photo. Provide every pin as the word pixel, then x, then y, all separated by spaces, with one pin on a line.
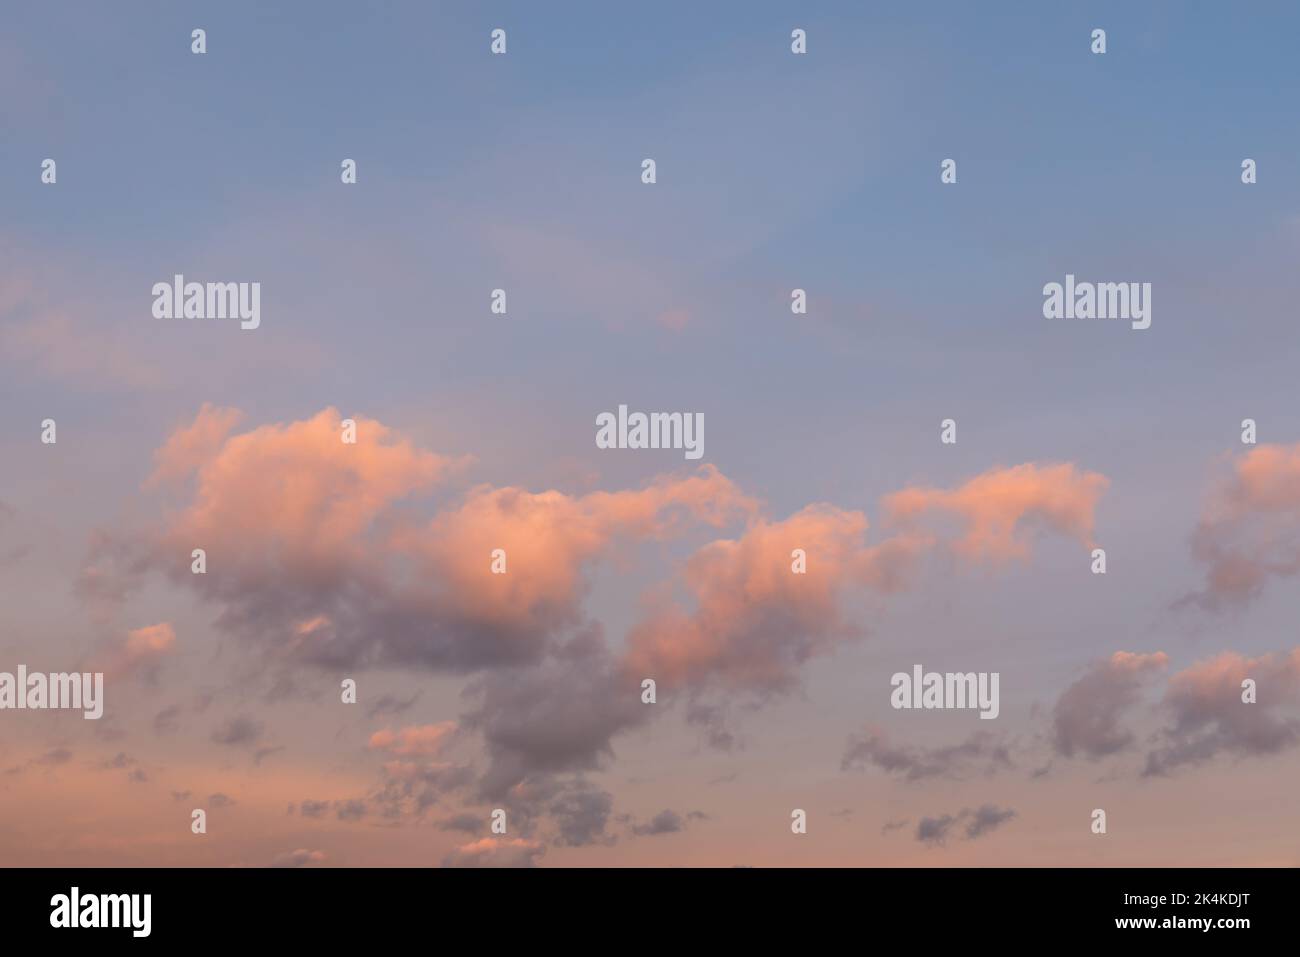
pixel 328 561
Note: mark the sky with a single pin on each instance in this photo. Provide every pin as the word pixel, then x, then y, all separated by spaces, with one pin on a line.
pixel 371 562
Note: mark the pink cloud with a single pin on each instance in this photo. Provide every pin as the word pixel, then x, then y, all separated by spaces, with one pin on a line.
pixel 993 507
pixel 425 739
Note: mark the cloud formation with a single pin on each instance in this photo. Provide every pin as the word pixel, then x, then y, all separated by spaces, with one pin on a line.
pixel 496 852
pixel 1249 531
pixel 995 506
pixel 981 753
pixel 1088 717
pixel 973 822
pixel 327 553
pixel 425 739
pixel 1209 717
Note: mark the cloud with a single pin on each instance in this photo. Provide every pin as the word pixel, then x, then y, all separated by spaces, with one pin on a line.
pixel 313 809
pixel 666 821
pixel 410 790
pixel 1088 714
pixel 150 643
pixel 466 823
pixel 302 857
pixel 1249 531
pixel 323 563
pixel 413 740
pixel 1209 717
pixel 391 704
pixel 237 731
pixel 934 830
pixel 331 554
pixel 54 757
pixel 993 506
pixel 191 446
pixel 496 852
pixel 351 810
pixel 164 722
pixel 714 722
pixel 975 823
pixel 755 622
pixel 35 336
pixel 581 813
pixel 985 819
pixel 556 717
pixel 981 753
pixel 140 651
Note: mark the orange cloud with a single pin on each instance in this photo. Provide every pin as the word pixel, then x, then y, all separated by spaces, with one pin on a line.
pixel 193 445
pixel 548 538
pixel 496 852
pixel 295 492
pixel 413 740
pixel 993 506
pixel 755 620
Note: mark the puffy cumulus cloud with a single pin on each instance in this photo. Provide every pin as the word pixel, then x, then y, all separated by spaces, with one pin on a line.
pixel 496 852
pixel 981 753
pixel 311 550
pixel 336 554
pixel 191 446
pixel 1088 715
pixel 424 739
pixel 1209 717
pixel 974 823
pixel 993 507
pixel 302 857
pixel 1249 530
pixel 549 538
pixel 292 510
pixel 755 621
